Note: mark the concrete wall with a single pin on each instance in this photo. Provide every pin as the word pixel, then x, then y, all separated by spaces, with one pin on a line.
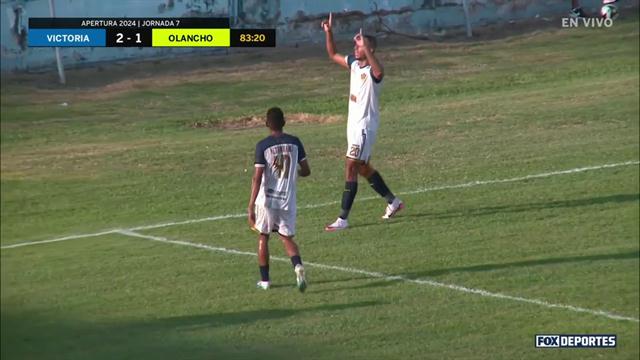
pixel 15 16
pixel 295 20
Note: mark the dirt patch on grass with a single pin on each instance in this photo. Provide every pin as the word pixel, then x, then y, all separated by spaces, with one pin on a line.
pixel 251 122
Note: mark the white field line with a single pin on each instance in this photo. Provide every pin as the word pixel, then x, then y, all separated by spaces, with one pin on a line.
pixel 186 222
pixel 70 237
pixel 523 178
pixel 385 277
pixel 313 206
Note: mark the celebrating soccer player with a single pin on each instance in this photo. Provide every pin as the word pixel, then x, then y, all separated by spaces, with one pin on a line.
pixel 362 125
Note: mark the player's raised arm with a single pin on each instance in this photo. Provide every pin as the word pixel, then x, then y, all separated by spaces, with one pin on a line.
pixel 331 46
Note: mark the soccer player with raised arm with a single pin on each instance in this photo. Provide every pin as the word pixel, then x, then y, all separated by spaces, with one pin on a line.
pixel 362 124
pixel 272 205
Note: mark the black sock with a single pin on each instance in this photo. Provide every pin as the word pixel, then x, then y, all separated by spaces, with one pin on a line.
pixel 349 194
pixel 296 260
pixel 380 187
pixel 264 272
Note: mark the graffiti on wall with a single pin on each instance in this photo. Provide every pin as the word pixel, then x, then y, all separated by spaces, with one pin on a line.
pixel 194 8
pixel 17 26
pixel 260 12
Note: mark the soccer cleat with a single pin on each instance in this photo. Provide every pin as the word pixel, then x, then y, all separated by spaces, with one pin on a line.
pixel 339 224
pixel 300 279
pixel 393 208
pixel 264 285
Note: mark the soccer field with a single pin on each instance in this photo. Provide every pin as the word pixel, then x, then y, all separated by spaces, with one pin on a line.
pixel 124 232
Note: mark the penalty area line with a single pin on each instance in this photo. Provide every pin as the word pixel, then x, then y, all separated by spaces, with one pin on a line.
pixel 382 276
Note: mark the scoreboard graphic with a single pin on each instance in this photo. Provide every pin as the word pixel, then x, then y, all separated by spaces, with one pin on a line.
pixel 144 32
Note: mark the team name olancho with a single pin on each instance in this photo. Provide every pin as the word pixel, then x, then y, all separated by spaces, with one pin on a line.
pixel 68 38
pixel 190 38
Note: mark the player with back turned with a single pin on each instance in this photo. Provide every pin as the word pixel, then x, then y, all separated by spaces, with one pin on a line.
pixel 362 125
pixel 272 205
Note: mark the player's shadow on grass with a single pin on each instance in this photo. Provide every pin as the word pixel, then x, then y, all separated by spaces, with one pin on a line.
pixel 331 281
pixel 316 282
pixel 635 254
pixel 510 209
pixel 369 284
pixel 35 335
pixel 245 317
pixel 526 263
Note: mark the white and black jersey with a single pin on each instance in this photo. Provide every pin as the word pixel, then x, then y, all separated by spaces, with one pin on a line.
pixel 279 156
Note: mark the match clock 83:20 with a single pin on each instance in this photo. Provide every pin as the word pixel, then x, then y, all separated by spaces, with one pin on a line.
pixel 253 37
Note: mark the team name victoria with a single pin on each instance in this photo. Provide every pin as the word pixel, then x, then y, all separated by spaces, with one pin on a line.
pixel 68 38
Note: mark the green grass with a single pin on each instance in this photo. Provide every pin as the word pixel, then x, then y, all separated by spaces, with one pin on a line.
pixel 124 154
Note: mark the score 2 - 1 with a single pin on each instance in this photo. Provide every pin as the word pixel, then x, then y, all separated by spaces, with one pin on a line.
pixel 128 37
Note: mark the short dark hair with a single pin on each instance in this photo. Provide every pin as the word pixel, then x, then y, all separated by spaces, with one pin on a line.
pixel 372 41
pixel 275 119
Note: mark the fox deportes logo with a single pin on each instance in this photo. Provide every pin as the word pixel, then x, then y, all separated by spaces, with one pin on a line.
pixel 576 341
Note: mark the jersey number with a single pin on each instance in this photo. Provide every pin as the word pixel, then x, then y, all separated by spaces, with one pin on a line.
pixel 281 165
pixel 355 151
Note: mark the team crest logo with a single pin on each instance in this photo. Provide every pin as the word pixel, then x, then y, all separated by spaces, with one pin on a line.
pixel 363 76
